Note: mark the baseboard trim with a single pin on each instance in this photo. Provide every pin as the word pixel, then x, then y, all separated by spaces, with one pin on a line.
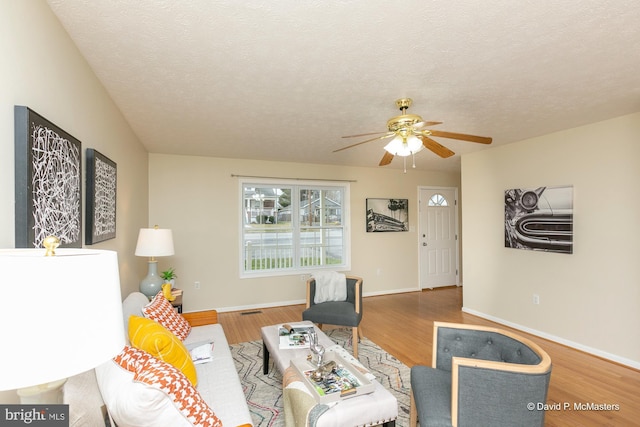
pixel 389 292
pixel 594 351
pixel 259 306
pixel 302 301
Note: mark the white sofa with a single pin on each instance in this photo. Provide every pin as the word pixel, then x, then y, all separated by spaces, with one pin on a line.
pixel 218 381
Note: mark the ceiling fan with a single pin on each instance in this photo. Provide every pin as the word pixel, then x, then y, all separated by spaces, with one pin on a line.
pixel 410 136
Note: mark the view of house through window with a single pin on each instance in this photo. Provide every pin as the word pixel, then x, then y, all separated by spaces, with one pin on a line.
pixel 289 228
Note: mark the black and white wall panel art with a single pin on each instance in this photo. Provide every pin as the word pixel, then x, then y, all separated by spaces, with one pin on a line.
pixel 48 182
pixel 102 179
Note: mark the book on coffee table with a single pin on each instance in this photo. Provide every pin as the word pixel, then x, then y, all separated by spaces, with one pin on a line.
pixel 294 336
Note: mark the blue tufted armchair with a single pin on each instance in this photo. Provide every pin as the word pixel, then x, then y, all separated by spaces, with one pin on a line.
pixel 480 376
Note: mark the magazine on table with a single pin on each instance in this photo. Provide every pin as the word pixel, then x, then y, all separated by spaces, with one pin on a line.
pixel 336 380
pixel 201 352
pixel 294 336
pixel 339 380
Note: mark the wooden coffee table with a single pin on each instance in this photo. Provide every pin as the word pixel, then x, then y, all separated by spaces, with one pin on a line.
pixel 379 407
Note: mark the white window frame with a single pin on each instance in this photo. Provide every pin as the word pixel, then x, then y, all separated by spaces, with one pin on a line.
pixel 438 200
pixel 296 185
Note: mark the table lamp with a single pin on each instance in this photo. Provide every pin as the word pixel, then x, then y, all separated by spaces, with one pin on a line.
pixel 152 243
pixel 61 316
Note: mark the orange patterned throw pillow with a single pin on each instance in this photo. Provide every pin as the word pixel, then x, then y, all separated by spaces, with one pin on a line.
pixel 161 310
pixel 162 376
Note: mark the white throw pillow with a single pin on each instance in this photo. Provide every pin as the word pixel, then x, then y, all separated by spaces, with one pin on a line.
pixel 134 404
pixel 330 286
pixel 142 391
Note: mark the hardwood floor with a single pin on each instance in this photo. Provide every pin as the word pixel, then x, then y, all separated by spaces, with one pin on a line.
pixel 402 324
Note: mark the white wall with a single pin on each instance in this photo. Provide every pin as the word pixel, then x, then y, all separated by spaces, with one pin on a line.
pixel 199 200
pixel 588 299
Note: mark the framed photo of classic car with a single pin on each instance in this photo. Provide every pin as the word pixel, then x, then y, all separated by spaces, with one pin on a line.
pixel 385 215
pixel 539 219
pixel 48 182
pixel 102 177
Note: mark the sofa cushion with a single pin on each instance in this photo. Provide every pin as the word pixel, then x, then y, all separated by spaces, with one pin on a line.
pixel 333 313
pixel 153 338
pixel 132 305
pixel 218 381
pixel 140 390
pixel 161 310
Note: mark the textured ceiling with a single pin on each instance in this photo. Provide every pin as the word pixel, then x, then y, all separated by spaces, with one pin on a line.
pixel 284 80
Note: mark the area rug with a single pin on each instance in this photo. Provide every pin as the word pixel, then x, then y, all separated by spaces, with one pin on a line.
pixel 264 392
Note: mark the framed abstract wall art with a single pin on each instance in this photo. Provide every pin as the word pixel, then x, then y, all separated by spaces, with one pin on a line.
pixel 539 219
pixel 387 215
pixel 100 211
pixel 48 182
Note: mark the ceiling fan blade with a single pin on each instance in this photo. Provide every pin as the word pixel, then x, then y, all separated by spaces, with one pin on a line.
pixel 461 136
pixel 388 135
pixel 437 148
pixel 386 159
pixel 364 134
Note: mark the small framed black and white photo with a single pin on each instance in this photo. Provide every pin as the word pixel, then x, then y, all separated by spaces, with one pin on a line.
pixel 387 215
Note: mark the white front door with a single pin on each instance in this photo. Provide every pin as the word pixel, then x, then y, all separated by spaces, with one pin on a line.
pixel 438 237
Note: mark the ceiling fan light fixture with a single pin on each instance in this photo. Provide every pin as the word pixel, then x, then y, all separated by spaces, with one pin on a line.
pixel 404 146
pixel 411 134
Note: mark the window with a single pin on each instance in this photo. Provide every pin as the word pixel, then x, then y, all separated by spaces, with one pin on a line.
pixel 438 200
pixel 289 228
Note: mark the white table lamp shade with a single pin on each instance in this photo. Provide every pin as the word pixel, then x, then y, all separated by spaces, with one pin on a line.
pixel 60 316
pixel 155 242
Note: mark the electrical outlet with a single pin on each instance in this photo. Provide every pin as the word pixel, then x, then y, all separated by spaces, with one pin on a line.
pixel 196 285
pixel 536 299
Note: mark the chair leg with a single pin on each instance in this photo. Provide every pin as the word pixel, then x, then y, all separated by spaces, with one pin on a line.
pixel 355 342
pixel 413 415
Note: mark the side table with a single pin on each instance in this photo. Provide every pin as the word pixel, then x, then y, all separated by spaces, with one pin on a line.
pixel 177 303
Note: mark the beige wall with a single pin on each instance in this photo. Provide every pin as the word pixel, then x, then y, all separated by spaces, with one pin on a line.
pixel 588 299
pixel 42 69
pixel 200 201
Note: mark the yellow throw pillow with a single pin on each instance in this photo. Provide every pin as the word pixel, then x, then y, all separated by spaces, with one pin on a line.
pixel 150 336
